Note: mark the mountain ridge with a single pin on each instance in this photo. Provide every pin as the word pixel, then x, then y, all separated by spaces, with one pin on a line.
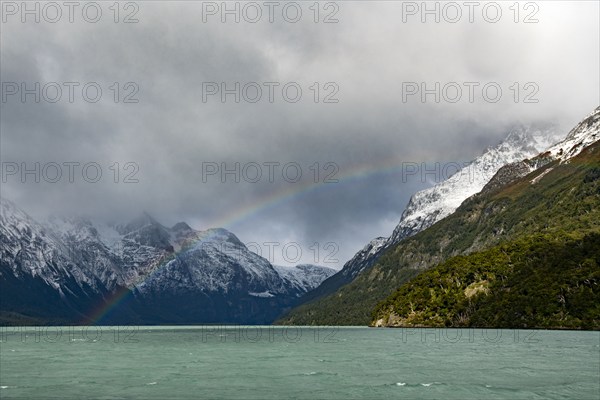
pixel 474 226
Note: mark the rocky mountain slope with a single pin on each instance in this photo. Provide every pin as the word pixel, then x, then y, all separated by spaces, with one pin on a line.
pixel 467 230
pixel 65 268
pixel 428 206
pixel 545 274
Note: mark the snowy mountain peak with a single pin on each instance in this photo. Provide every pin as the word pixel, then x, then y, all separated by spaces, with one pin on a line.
pixel 431 205
pixel 529 138
pixel 584 134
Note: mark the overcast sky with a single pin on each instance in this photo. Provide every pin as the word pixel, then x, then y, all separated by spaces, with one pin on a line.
pixel 171 143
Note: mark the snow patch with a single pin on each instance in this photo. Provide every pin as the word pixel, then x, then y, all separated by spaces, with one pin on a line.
pixel 540 176
pixel 262 294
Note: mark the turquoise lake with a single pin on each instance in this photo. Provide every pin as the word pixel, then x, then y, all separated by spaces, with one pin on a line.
pixel 267 362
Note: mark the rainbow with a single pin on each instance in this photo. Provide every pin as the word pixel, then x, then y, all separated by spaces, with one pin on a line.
pixel 267 202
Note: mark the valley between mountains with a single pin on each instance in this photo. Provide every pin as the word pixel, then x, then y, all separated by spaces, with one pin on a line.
pixel 512 241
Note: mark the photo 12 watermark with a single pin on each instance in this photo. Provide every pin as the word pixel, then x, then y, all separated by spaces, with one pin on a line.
pixel 52 12
pixel 270 92
pixel 269 172
pixel 253 12
pixel 453 12
pixel 70 334
pixel 269 334
pixel 69 92
pixel 467 335
pixel 469 92
pixel 69 172
pixel 291 252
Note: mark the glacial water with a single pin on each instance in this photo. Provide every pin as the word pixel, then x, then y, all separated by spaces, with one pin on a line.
pixel 215 362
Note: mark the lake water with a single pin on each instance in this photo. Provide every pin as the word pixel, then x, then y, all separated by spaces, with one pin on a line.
pixel 297 363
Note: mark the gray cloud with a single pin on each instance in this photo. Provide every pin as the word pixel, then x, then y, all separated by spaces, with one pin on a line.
pixel 171 132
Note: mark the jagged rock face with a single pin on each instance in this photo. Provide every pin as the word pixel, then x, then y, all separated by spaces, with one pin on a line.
pixel 428 206
pixel 68 266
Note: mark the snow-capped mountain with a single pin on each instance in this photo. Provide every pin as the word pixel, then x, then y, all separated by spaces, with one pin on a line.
pixel 304 277
pixel 431 205
pixel 581 136
pixel 428 206
pixel 30 249
pixel 180 275
pixel 584 134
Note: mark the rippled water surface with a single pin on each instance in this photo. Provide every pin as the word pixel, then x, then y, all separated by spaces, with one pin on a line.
pixel 297 363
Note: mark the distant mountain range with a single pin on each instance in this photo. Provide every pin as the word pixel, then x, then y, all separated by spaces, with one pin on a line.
pixel 512 197
pixel 70 270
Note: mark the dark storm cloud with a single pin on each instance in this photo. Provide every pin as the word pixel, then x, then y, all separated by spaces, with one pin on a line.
pixel 171 132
